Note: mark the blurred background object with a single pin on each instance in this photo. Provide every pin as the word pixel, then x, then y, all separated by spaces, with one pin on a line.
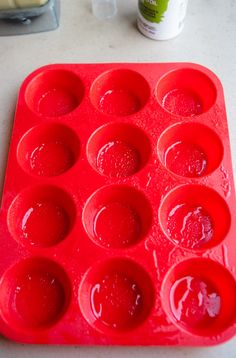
pixel 162 19
pixel 104 9
pixel 28 16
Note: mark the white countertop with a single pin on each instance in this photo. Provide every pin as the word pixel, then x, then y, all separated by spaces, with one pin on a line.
pixel 208 39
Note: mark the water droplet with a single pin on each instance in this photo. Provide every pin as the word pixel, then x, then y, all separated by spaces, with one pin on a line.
pixel 186 159
pixel 50 159
pixel 119 102
pixel 44 224
pixel 182 102
pixel 226 186
pixel 118 159
pixel 189 226
pixel 116 300
pixel 194 301
pixel 117 225
pixel 225 255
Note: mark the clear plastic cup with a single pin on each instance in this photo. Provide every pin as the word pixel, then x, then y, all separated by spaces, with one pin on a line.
pixel 104 9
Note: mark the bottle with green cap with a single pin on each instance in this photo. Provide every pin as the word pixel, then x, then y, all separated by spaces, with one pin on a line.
pixel 161 19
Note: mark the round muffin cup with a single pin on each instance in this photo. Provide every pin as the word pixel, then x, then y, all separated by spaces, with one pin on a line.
pixel 34 294
pixel 194 217
pixel 48 150
pixel 117 216
pixel 41 216
pixel 186 92
pixel 54 93
pixel 116 295
pixel 120 92
pixel 186 154
pixel 199 295
pixel 118 150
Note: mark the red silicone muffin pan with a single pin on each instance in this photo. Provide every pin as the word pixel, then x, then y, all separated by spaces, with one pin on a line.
pixel 118 211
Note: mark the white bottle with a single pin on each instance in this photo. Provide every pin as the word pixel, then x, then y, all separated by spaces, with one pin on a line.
pixel 161 19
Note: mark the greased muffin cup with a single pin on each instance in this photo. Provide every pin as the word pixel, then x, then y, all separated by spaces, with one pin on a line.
pixel 118 210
